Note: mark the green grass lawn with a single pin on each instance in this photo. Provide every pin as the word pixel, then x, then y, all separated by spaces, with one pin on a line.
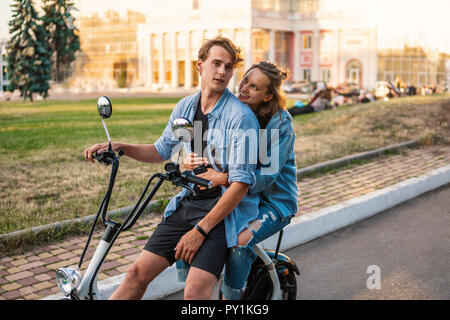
pixel 44 177
pixel 27 129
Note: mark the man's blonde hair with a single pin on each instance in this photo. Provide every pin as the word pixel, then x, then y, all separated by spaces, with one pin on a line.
pixel 223 42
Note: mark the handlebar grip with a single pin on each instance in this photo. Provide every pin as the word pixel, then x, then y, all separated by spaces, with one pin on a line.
pixel 199 181
pixel 96 156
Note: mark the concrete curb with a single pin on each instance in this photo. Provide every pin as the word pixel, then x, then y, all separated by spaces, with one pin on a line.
pixel 124 211
pixel 308 227
pixel 55 226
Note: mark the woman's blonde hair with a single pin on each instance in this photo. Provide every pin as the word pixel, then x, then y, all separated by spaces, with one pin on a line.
pixel 276 75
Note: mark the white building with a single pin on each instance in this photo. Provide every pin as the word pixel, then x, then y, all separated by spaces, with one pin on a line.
pixel 323 40
pixel 3 65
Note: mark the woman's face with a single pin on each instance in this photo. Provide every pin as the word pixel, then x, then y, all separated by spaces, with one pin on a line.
pixel 253 89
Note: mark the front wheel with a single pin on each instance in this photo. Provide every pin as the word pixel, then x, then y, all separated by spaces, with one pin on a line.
pixel 288 283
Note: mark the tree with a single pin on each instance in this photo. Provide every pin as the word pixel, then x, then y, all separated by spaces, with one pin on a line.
pixel 28 52
pixel 63 40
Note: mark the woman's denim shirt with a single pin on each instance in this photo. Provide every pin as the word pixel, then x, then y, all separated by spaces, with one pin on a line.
pixel 232 146
pixel 276 174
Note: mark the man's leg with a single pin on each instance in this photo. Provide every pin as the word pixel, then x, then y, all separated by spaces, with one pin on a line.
pixel 199 284
pixel 139 275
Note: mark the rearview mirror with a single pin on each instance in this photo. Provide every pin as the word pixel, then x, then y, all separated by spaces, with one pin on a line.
pixel 104 107
pixel 183 129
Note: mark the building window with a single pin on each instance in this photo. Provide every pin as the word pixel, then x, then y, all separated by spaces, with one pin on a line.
pixel 264 4
pixel 281 48
pixel 354 72
pixel 307 41
pixel 307 74
pixel 4 73
pixel 260 44
pixel 120 74
pixel 294 5
pixel 325 75
pixel 308 6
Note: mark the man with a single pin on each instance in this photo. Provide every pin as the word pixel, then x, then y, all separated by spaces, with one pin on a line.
pixel 199 229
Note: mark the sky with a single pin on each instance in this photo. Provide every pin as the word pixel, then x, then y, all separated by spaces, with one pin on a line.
pixel 419 21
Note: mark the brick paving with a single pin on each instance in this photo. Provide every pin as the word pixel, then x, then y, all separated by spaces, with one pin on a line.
pixel 31 275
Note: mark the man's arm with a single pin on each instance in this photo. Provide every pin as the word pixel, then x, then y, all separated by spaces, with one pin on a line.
pixel 189 244
pixel 157 152
pixel 229 200
pixel 139 152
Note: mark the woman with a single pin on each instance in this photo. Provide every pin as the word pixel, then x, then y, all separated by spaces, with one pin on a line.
pixel 276 183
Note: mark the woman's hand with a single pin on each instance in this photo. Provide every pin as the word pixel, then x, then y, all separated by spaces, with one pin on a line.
pixel 217 178
pixel 192 161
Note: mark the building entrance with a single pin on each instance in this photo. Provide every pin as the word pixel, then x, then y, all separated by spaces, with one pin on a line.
pixel 354 72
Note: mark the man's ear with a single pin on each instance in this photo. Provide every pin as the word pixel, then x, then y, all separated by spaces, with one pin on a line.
pixel 199 66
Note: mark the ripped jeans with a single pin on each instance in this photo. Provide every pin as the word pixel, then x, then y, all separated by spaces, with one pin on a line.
pixel 241 258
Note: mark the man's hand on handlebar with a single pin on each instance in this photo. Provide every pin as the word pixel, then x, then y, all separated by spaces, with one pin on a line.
pixel 98 149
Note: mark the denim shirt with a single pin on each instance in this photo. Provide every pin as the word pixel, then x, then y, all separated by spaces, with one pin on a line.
pixel 276 174
pixel 232 146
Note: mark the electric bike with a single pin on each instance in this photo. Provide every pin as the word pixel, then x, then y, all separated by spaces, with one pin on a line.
pixel 272 274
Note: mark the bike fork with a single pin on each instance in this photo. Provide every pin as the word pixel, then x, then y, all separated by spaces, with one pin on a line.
pixel 97 258
pixel 88 288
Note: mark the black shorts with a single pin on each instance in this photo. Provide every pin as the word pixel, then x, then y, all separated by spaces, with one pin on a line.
pixel 212 254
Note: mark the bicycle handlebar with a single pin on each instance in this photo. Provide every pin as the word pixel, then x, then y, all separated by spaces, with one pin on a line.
pixel 107 157
pixel 198 181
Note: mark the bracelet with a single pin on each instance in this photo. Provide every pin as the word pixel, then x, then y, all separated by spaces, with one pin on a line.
pixel 202 232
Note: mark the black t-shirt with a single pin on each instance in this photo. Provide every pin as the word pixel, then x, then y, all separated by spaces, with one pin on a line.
pixel 199 116
pixel 215 192
pixel 263 121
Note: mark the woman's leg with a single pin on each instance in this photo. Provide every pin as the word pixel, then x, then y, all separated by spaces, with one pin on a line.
pixel 242 257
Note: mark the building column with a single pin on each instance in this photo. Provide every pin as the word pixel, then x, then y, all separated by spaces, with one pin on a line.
pixel 187 62
pixel 232 82
pixel 145 61
pixel 315 72
pixel 149 54
pixel 249 45
pixel 1 67
pixel 297 48
pixel 162 60
pixel 174 83
pixel 272 45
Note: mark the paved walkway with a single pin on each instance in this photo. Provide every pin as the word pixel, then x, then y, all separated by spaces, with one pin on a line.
pixel 32 275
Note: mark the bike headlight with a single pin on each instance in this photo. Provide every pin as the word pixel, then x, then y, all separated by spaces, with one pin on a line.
pixel 68 279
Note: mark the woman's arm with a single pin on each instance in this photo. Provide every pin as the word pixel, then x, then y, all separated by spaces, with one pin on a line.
pixel 266 174
pixel 218 178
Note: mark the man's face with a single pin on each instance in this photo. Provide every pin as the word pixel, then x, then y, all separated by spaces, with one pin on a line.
pixel 217 70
